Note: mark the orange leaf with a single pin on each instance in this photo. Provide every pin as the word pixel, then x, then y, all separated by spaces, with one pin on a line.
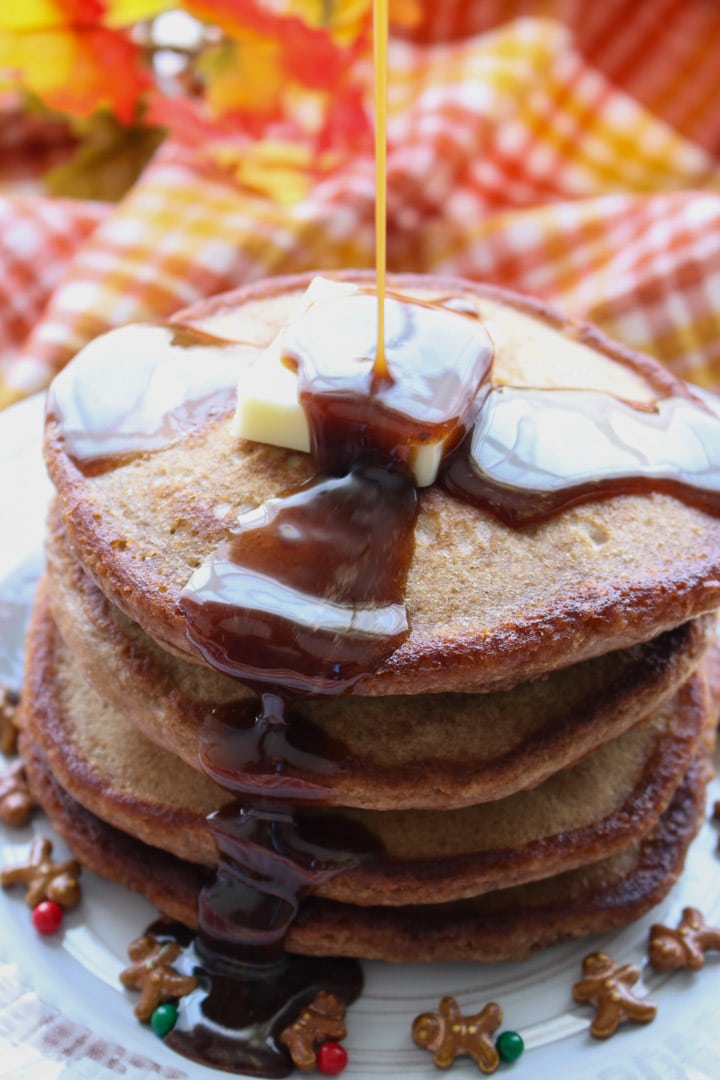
pixel 127 12
pixel 23 16
pixel 243 76
pixel 345 20
pixel 406 13
pixel 29 15
pixel 77 71
pixel 235 17
pixel 347 124
pixel 340 19
pixel 311 56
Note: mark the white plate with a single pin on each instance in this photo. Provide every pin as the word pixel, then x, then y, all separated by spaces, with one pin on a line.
pixel 64 1015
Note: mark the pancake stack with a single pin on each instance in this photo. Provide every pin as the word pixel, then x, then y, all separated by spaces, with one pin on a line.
pixel 527 767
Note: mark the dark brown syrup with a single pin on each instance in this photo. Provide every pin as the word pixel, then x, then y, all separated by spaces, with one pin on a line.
pixel 307 594
pixel 533 453
pixel 233 1005
pixel 270 855
pixel 435 364
pixel 140 388
pixel 258 754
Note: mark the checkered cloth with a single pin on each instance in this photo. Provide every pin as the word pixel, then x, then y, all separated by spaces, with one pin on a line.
pixel 573 157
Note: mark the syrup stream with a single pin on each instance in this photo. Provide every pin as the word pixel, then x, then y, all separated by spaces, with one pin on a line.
pixel 381 372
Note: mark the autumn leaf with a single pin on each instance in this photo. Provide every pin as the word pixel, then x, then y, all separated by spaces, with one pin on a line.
pixel 69 54
pixel 406 13
pixel 278 100
pixel 25 16
pixel 108 161
pixel 291 25
pixel 347 122
pixel 345 20
pixel 77 71
pixel 31 15
pixel 129 12
pixel 243 76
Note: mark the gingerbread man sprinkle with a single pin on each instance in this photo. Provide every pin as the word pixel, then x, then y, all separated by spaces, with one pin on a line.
pixel 684 947
pixel 152 973
pixel 606 985
pixel 8 730
pixel 45 879
pixel 447 1034
pixel 16 802
pixel 322 1019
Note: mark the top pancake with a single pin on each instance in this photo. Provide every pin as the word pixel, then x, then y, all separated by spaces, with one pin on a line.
pixel 489 606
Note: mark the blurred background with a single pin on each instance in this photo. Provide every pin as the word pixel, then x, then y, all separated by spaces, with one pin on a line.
pixel 154 152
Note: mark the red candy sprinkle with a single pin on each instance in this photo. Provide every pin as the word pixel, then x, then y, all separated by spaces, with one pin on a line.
pixel 47 917
pixel 331 1058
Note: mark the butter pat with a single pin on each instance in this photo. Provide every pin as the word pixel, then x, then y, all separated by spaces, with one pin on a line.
pixel 268 408
pixel 425 462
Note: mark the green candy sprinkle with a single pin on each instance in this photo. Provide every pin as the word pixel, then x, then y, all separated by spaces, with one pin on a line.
pixel 509 1046
pixel 164 1018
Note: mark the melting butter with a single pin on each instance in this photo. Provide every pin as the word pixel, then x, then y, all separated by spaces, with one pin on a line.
pixel 268 406
pixel 321 369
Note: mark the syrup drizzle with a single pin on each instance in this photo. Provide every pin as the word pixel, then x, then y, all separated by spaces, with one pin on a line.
pixel 308 594
pixel 259 754
pixel 139 389
pixel 439 363
pixel 270 856
pixel 234 1023
pixel 533 453
pixel 381 370
pixel 304 595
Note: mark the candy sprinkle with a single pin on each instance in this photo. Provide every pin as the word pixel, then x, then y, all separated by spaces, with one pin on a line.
pixel 47 917
pixel 331 1058
pixel 509 1046
pixel 163 1019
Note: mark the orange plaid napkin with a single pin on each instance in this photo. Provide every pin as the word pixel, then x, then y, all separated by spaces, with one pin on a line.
pixel 572 157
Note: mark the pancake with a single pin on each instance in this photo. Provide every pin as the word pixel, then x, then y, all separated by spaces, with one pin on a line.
pixel 505 925
pixel 489 606
pixel 393 752
pixel 580 815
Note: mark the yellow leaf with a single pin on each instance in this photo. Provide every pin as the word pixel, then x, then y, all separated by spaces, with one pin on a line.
pixel 344 19
pixel 127 12
pixel 27 15
pixel 42 60
pixel 76 71
pixel 243 75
